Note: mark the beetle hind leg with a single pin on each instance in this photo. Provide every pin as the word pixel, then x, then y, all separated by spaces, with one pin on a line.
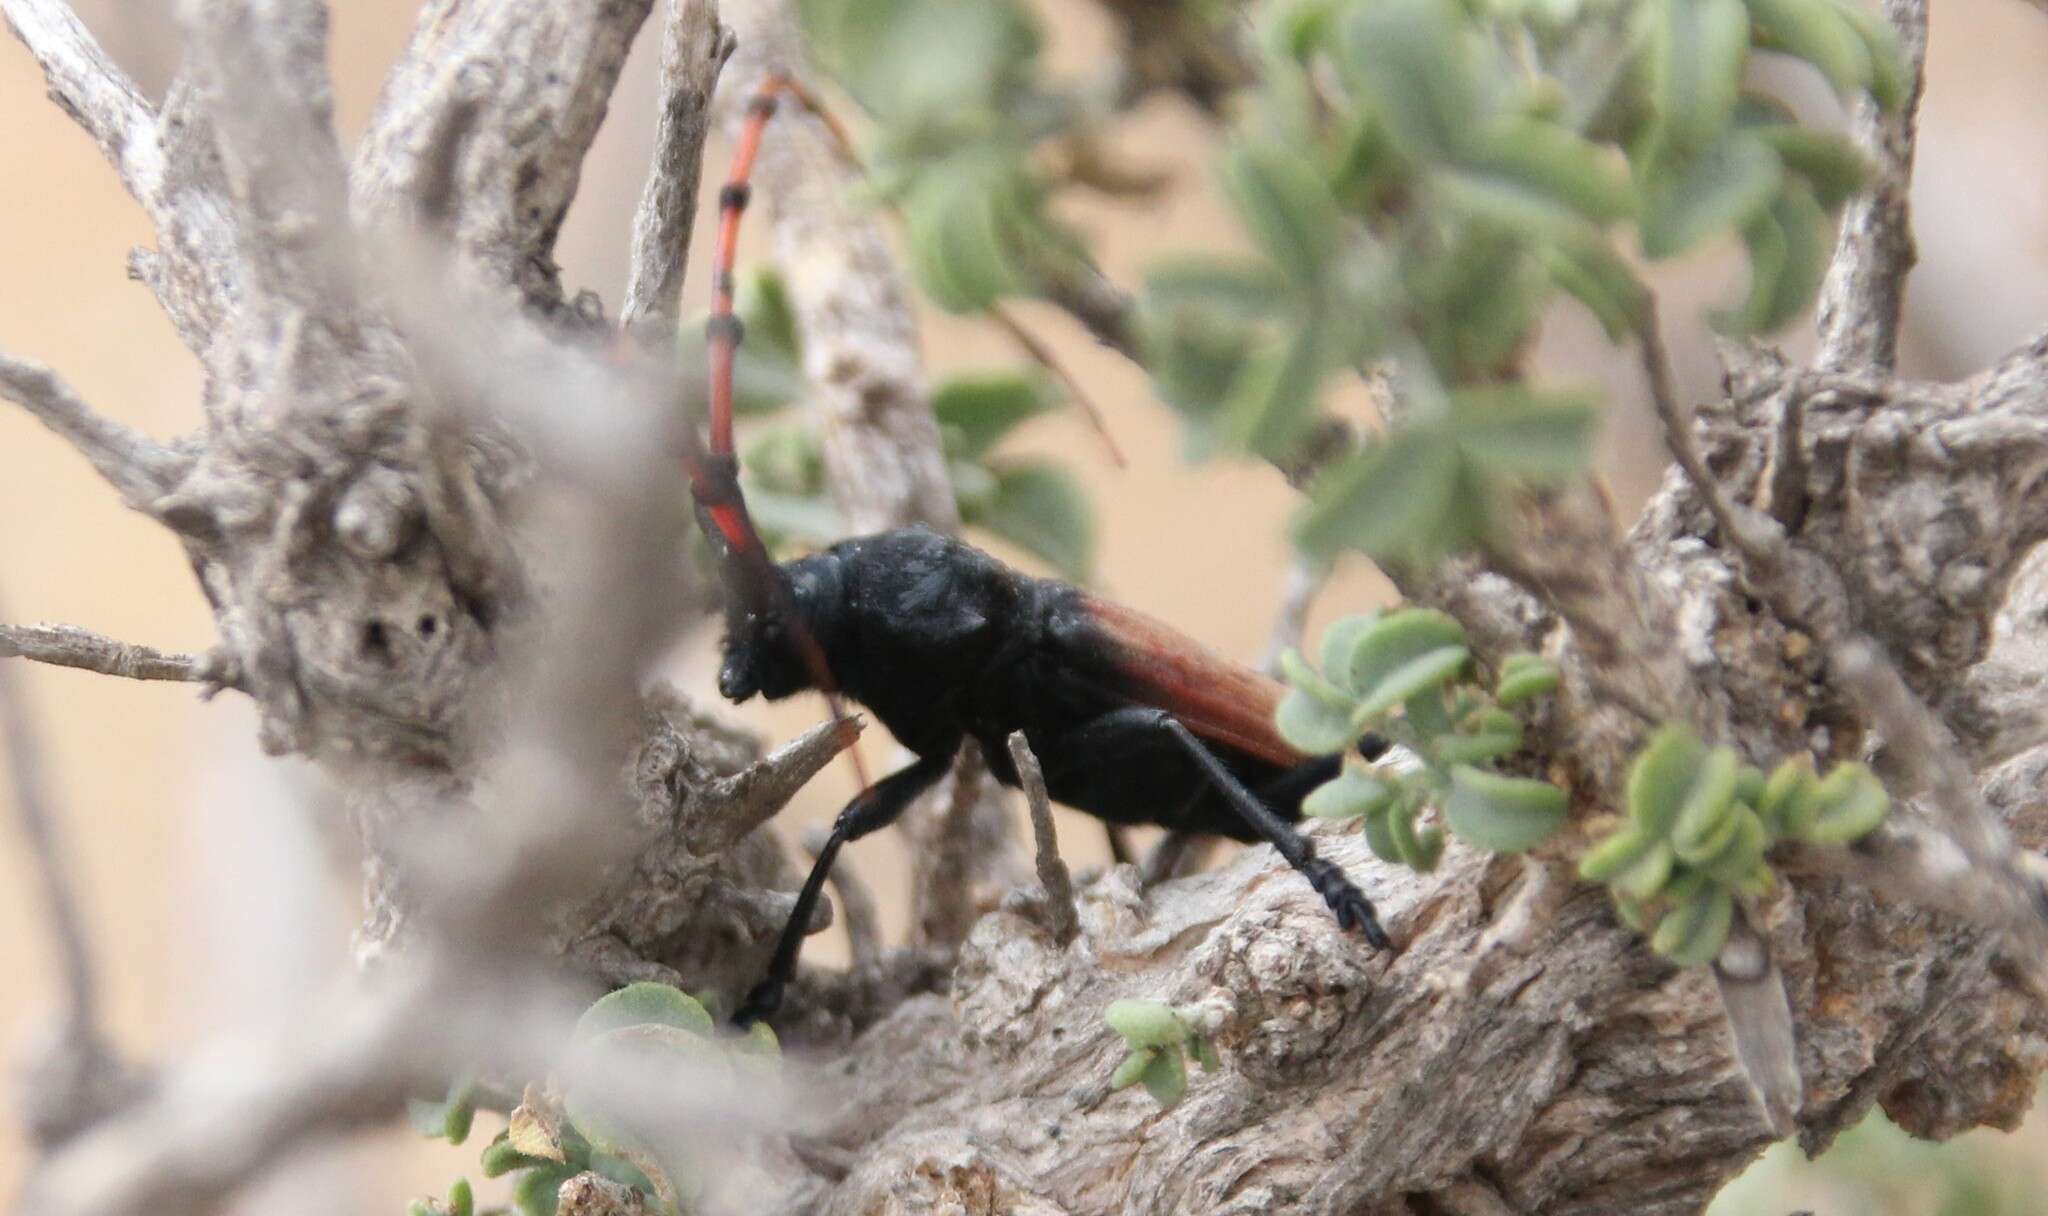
pixel 1354 912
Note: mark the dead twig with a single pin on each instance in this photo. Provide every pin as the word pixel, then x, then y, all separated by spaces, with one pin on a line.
pixel 943 906
pixel 754 795
pixel 1038 352
pixel 70 646
pixel 141 469
pixel 97 94
pixel 1062 917
pixel 694 48
pixel 76 1079
pixel 1297 595
pixel 1864 294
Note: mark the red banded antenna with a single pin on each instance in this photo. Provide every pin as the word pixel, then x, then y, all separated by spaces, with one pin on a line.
pixel 714 476
pixel 723 333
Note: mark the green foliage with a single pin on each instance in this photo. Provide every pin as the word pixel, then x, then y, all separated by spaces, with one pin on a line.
pixel 561 1130
pixel 1032 503
pixel 1404 674
pixel 446 1118
pixel 460 1202
pixel 1698 827
pixel 1417 180
pixel 1161 1044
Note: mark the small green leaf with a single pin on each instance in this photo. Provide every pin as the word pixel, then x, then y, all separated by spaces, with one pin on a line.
pixel 1432 669
pixel 1234 289
pixel 1146 1023
pixel 1349 795
pixel 764 382
pixel 500 1157
pixel 449 1118
pixel 1709 806
pixel 1391 642
pixel 1545 178
pixel 1734 861
pixel 759 1043
pixel 1599 278
pixel 1390 500
pixel 1694 932
pixel 1166 1078
pixel 1489 736
pixel 1695 201
pixel 1424 70
pixel 1613 856
pixel 1205 1053
pixel 1523 676
pixel 534 1194
pixel 1502 814
pixel 786 460
pixel 981 408
pixel 1831 164
pixel 1634 913
pixel 1662 777
pixel 1379 834
pixel 643 1004
pixel 1417 850
pixel 1042 509
pixel 1272 403
pixel 1847 804
pixel 762 303
pixel 461 1201
pixel 1816 31
pixel 1474 305
pixel 1312 726
pixel 1694 55
pixel 1132 1069
pixel 1285 205
pixel 1890 77
pixel 1296 671
pixel 1789 248
pixel 1646 878
pixel 1749 785
pixel 1340 639
pixel 1516 432
pixel 1789 786
pixel 958 243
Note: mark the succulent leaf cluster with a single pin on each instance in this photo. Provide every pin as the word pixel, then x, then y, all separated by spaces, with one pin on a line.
pixel 559 1131
pixel 1405 676
pixel 1698 827
pixel 1162 1043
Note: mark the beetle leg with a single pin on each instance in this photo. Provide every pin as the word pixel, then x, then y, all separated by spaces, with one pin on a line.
pixel 1352 909
pixel 875 807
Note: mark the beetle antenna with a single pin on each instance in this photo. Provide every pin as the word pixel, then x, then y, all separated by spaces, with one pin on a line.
pixel 750 573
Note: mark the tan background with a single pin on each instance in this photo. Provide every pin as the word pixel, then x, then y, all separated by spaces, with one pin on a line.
pixel 165 806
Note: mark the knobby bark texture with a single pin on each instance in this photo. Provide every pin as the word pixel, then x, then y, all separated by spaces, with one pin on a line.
pixel 375 511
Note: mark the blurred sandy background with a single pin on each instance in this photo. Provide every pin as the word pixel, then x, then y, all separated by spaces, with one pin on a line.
pixel 169 814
